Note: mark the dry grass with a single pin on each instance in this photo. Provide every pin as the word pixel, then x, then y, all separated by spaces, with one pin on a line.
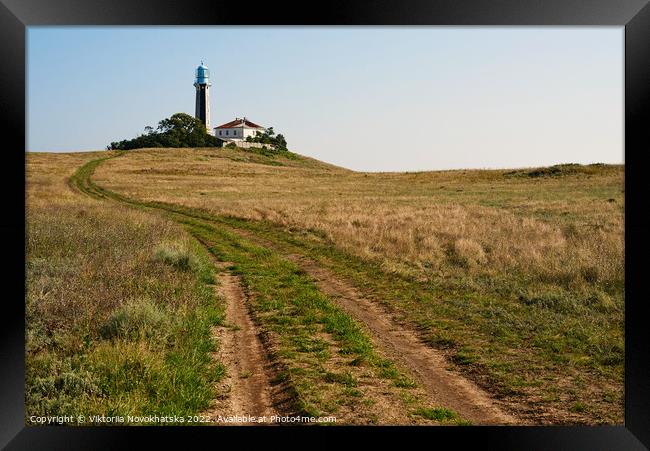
pixel 563 230
pixel 521 273
pixel 118 314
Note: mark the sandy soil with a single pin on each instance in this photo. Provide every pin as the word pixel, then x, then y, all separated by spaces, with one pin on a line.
pixel 247 389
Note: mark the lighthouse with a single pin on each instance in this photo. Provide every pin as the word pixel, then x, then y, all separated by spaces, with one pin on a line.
pixel 202 85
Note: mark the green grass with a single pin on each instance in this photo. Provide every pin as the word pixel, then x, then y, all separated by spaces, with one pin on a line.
pixel 113 328
pixel 578 407
pixel 267 152
pixel 440 414
pixel 267 157
pixel 544 332
pixel 288 303
pixel 557 335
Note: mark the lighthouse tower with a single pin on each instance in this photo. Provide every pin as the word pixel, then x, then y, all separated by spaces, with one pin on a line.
pixel 202 85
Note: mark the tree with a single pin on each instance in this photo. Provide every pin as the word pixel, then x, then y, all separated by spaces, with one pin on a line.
pixel 281 143
pixel 267 137
pixel 178 130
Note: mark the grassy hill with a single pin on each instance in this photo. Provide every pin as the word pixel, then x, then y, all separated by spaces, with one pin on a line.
pixel 516 276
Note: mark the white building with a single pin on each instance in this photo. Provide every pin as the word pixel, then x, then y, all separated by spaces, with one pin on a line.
pixel 237 130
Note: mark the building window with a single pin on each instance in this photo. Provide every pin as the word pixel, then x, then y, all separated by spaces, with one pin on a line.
pixel 226 132
pixel 219 132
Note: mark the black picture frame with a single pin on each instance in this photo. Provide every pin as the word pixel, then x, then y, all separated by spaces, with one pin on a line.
pixel 634 15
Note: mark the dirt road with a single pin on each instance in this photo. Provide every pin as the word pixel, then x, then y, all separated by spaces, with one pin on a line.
pixel 429 368
pixel 246 390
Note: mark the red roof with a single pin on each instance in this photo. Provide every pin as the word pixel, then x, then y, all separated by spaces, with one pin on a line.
pixel 240 123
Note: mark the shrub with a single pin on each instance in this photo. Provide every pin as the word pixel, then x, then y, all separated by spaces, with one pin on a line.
pixel 560 170
pixel 56 386
pixel 175 255
pixel 139 318
pixel 467 253
pixel 269 137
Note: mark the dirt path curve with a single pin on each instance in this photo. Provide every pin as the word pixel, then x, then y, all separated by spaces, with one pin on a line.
pixel 430 369
pixel 246 390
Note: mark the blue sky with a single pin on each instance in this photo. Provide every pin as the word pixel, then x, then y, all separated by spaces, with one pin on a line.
pixel 367 98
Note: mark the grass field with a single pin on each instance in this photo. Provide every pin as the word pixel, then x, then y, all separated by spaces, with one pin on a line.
pixel 118 305
pixel 120 311
pixel 516 276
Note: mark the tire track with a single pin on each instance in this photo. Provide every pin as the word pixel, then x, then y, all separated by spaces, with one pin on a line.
pixel 400 344
pixel 246 390
pixel 403 345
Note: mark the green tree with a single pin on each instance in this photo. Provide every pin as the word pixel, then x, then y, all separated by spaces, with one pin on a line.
pixel 267 137
pixel 179 130
pixel 280 142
